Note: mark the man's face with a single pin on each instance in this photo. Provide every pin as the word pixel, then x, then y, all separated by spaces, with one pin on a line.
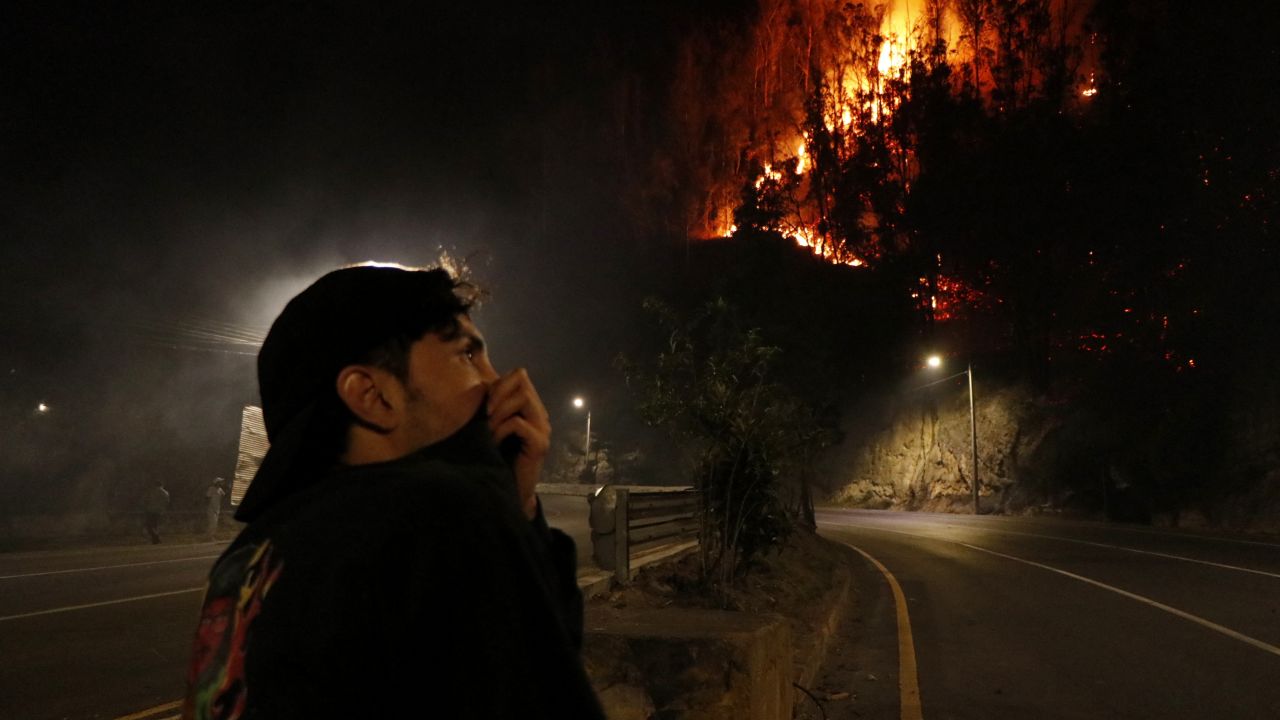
pixel 448 380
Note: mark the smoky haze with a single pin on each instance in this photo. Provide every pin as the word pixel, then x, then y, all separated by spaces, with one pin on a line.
pixel 174 176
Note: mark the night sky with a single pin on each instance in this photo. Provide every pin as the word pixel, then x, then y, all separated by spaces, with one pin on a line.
pixel 174 173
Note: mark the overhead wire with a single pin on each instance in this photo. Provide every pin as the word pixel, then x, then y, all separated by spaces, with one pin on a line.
pixel 21 325
pixel 197 329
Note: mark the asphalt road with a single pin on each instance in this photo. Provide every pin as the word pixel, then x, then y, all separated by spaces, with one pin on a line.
pixel 1009 618
pixel 106 632
pixel 67 653
pixel 1042 618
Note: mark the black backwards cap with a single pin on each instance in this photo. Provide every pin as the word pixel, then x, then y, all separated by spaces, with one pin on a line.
pixel 335 322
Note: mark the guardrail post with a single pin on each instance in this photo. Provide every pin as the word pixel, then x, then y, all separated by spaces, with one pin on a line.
pixel 621 543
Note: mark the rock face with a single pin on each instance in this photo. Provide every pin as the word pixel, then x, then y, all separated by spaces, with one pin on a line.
pixel 1041 455
pixel 919 456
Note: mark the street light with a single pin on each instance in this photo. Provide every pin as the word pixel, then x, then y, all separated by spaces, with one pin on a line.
pixel 579 403
pixel 42 408
pixel 935 362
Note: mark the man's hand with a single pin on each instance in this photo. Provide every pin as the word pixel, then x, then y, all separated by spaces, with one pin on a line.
pixel 515 409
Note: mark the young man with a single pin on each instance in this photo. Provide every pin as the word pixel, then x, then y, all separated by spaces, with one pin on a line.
pixel 396 561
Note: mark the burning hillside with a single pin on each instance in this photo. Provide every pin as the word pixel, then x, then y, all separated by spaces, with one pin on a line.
pixel 817 127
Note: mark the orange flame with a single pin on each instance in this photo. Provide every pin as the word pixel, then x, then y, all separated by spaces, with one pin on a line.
pixel 864 72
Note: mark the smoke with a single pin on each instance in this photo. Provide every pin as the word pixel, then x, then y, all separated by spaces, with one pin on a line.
pixel 176 177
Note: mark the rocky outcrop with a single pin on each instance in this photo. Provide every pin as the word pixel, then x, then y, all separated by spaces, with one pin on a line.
pixel 1036 454
pixel 919 454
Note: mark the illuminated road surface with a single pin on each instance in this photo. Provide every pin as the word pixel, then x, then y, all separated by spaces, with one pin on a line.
pixel 1010 618
pixel 106 632
pixel 68 655
pixel 1036 618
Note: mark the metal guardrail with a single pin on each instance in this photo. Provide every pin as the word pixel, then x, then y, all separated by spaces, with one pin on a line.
pixel 630 520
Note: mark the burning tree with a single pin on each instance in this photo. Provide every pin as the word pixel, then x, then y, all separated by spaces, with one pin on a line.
pixel 844 117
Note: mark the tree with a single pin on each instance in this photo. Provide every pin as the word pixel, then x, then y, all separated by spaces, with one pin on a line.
pixel 749 439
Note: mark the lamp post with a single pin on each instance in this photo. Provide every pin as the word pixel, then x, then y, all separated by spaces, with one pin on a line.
pixel 935 362
pixel 579 403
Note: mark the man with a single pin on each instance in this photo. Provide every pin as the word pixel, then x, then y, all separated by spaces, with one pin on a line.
pixel 213 508
pixel 154 504
pixel 396 561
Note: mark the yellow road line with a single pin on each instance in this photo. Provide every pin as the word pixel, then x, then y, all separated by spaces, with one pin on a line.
pixel 153 711
pixel 908 683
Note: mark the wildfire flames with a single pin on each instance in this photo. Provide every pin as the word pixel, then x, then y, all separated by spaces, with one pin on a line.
pixel 948 297
pixel 862 70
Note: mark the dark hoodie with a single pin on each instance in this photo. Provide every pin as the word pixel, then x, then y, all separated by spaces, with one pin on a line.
pixel 413 588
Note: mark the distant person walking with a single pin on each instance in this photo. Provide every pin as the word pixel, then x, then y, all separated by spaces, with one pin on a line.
pixel 154 505
pixel 213 507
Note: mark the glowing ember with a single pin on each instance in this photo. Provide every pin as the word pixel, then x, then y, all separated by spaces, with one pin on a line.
pixel 1092 88
pixel 950 298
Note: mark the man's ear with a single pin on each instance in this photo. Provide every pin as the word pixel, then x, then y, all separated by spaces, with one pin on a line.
pixel 373 395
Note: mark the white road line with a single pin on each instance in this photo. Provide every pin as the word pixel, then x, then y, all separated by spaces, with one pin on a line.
pixel 1184 535
pixel 1204 538
pixel 106 567
pixel 1133 596
pixel 1261 645
pixel 69 608
pixel 1183 558
pixel 1143 552
pixel 152 712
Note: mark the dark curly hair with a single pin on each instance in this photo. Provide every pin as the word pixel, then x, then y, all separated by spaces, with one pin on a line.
pixel 443 301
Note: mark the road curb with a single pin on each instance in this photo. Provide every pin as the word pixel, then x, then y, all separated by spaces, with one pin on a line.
pixel 809 658
pixel 595 583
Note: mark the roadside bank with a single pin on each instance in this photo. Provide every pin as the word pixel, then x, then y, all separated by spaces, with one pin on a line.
pixel 665 647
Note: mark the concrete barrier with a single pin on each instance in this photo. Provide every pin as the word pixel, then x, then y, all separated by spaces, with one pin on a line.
pixel 690 664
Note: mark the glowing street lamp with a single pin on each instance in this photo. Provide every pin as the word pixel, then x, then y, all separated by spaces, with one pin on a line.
pixel 934 362
pixel 42 409
pixel 579 403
